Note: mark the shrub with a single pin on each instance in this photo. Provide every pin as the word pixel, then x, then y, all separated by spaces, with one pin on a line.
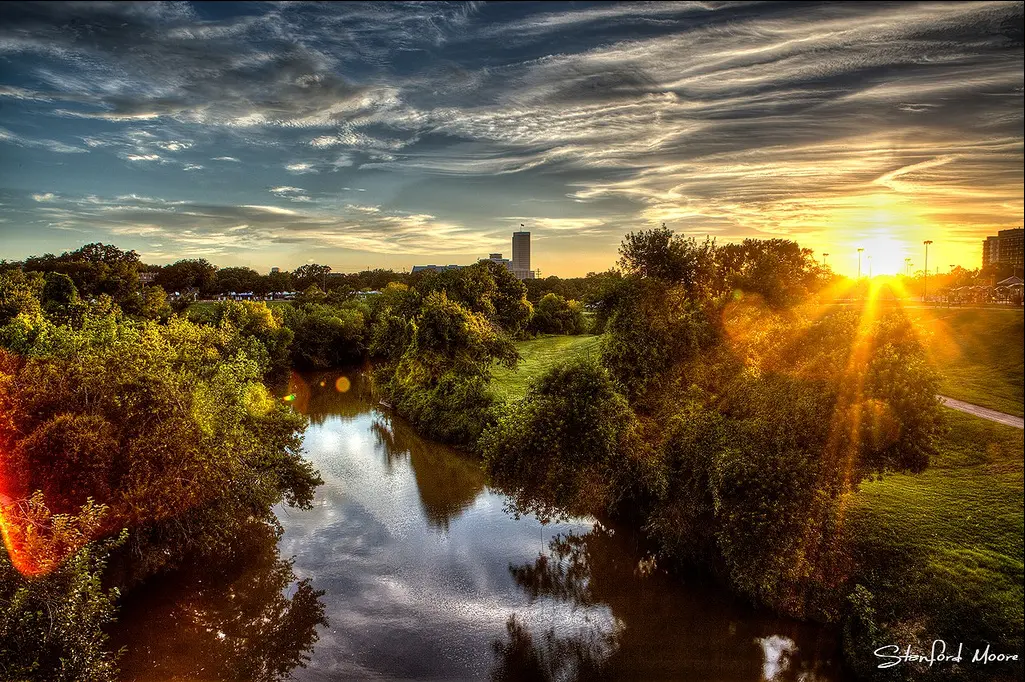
pixel 572 442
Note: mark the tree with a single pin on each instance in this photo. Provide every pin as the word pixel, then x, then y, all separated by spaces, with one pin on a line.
pixel 58 289
pixel 311 274
pixel 95 269
pixel 512 309
pixel 572 443
pixel 778 270
pixel 661 254
pixel 440 381
pixel 19 294
pixel 237 280
pixel 326 336
pixel 279 281
pixel 553 314
pixel 187 274
pixel 653 326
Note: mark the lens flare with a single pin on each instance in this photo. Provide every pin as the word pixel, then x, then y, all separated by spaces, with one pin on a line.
pixel 342 384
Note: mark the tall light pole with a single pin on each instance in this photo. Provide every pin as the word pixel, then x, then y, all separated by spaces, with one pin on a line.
pixel 870 267
pixel 907 267
pixel 824 257
pixel 859 264
pixel 925 273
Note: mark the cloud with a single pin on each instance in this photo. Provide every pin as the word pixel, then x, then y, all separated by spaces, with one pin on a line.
pixel 189 225
pixel 729 119
pixel 41 198
pixel 49 145
pixel 300 168
pixel 290 193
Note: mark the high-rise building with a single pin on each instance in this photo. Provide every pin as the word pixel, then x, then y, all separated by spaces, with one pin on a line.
pixel 1008 246
pixel 521 255
pixel 1012 247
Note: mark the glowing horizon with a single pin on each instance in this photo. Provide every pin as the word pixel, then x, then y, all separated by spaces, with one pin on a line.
pixel 255 135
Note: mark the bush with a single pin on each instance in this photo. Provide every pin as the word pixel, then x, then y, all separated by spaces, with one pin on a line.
pixel 571 443
pixel 51 626
pixel 553 314
pixel 327 336
pixel 652 328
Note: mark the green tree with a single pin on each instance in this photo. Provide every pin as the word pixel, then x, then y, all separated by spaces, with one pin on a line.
pixel 572 443
pixel 237 280
pixel 553 314
pixel 189 273
pixel 662 254
pixel 311 274
pixel 19 294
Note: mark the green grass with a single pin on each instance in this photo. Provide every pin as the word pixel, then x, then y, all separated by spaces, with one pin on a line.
pixel 942 550
pixel 537 355
pixel 979 353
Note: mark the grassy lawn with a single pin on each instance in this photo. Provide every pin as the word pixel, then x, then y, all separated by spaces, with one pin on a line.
pixel 537 355
pixel 979 353
pixel 942 550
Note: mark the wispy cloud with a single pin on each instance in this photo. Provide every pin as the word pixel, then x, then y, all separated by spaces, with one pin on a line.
pixel 818 120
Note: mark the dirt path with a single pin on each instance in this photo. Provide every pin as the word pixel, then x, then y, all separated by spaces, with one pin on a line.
pixel 984 412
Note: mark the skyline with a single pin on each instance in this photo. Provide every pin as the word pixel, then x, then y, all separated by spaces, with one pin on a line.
pixel 390 135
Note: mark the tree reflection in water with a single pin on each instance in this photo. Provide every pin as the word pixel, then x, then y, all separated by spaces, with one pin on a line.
pixel 447 482
pixel 660 628
pixel 241 615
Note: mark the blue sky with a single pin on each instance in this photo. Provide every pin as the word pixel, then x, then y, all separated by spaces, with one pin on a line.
pixel 391 134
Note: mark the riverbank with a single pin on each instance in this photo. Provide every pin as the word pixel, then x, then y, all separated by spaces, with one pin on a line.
pixel 941 551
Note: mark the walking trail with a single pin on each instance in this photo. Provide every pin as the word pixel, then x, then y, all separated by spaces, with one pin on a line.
pixel 984 412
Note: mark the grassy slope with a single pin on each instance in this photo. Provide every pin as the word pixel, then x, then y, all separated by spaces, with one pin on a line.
pixel 537 355
pixel 979 352
pixel 942 550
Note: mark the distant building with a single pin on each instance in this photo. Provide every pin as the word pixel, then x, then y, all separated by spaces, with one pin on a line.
pixel 497 258
pixel 1008 246
pixel 521 255
pixel 275 271
pixel 519 265
pixel 147 277
pixel 435 268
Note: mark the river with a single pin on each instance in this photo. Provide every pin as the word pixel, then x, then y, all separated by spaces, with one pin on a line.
pixel 409 567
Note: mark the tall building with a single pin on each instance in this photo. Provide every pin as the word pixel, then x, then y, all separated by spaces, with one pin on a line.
pixel 521 255
pixel 990 250
pixel 1012 247
pixel 1008 246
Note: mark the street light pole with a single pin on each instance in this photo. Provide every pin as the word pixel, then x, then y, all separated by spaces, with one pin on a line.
pixel 870 267
pixel 824 257
pixel 925 274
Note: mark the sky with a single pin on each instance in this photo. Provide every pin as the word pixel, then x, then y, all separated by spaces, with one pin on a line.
pixel 392 134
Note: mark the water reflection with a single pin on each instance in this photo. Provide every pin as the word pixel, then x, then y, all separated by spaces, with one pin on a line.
pixel 239 616
pixel 661 630
pixel 447 484
pixel 425 574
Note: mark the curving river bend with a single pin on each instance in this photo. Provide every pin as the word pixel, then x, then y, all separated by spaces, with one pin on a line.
pixel 425 574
